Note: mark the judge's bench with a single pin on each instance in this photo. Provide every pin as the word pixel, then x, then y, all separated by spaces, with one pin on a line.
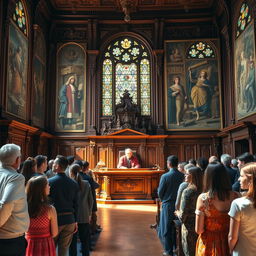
pixel 126 185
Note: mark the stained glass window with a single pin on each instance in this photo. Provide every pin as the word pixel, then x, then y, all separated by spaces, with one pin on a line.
pixel 145 87
pixel 19 17
pixel 107 88
pixel 126 67
pixel 200 50
pixel 126 79
pixel 244 19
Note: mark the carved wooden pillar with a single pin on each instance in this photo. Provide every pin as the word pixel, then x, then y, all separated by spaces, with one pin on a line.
pixel 157 92
pixel 227 81
pixel 162 156
pixel 111 161
pixel 143 152
pixel 107 181
pixel 91 91
pixel 92 153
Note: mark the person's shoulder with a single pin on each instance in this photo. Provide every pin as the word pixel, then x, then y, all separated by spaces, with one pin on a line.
pixel 11 175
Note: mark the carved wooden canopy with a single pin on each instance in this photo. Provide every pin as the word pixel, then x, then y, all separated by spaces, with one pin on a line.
pixel 135 5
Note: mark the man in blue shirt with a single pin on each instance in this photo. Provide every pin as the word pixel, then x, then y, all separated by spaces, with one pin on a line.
pixel 64 195
pixel 167 192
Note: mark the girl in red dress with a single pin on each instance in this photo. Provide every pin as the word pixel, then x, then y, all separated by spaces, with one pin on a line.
pixel 43 219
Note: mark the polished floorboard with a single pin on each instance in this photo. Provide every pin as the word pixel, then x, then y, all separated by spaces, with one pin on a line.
pixel 126 231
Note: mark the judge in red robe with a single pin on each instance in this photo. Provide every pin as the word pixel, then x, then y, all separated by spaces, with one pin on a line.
pixel 128 160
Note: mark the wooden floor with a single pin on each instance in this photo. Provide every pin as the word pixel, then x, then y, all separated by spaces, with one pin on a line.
pixel 126 231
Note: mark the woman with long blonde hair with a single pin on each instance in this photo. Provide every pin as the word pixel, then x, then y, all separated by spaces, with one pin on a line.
pixel 242 232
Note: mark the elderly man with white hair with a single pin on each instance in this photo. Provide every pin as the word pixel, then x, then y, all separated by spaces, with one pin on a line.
pixel 128 160
pixel 226 161
pixel 14 218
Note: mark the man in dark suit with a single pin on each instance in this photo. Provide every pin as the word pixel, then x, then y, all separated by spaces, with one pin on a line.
pixel 64 195
pixel 167 192
pixel 128 160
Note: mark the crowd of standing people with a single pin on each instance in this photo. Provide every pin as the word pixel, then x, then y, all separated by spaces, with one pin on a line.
pixel 42 212
pixel 213 201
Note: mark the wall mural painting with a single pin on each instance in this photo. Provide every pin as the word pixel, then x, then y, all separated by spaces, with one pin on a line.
pixel 17 72
pixel 245 86
pixel 70 101
pixel 38 82
pixel 192 85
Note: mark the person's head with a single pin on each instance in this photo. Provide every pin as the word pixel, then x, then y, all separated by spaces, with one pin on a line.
pixel 10 155
pixel 85 166
pixel 128 153
pixel 217 181
pixel 50 164
pixel 213 159
pixel 172 161
pixel 202 163
pixel 79 162
pixel 74 173
pixel 248 180
pixel 71 80
pixel 29 168
pixel 41 162
pixel 181 166
pixel 244 159
pixel 37 190
pixel 194 176
pixel 176 79
pixel 187 166
pixel 60 164
pixel 226 159
pixel 192 161
pixel 234 163
pixel 203 74
pixel 71 159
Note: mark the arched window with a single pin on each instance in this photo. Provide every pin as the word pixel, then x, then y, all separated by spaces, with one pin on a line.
pixel 200 50
pixel 126 66
pixel 244 19
pixel 19 17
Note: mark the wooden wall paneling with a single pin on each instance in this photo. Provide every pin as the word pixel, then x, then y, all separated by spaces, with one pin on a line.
pixel 111 153
pixel 151 156
pixel 189 151
pixel 80 153
pixel 103 155
pixel 204 150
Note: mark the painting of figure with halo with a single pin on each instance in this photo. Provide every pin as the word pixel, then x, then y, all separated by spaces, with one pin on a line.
pixel 70 102
pixel 192 85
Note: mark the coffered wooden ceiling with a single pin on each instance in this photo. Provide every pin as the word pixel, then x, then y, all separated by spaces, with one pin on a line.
pixel 135 5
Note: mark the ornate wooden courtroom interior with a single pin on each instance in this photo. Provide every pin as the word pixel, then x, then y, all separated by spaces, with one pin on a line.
pixel 92 77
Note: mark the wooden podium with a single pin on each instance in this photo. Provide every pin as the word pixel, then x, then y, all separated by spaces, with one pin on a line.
pixel 127 185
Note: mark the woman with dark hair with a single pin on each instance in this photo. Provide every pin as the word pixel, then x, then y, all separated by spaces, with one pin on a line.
pixel 194 177
pixel 29 168
pixel 242 233
pixel 43 218
pixel 85 203
pixel 212 220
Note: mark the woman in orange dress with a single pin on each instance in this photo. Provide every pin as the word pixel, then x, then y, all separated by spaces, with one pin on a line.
pixel 212 220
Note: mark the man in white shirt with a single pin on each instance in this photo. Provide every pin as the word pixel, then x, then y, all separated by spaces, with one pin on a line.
pixel 14 218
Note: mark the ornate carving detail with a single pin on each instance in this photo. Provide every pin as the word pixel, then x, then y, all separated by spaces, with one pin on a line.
pixel 192 32
pixel 70 34
pixel 128 184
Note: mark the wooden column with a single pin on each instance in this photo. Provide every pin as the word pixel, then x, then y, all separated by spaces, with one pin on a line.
pixel 91 91
pixel 158 115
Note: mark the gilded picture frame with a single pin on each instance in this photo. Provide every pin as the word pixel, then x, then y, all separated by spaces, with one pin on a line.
pixel 245 73
pixel 192 85
pixel 71 88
